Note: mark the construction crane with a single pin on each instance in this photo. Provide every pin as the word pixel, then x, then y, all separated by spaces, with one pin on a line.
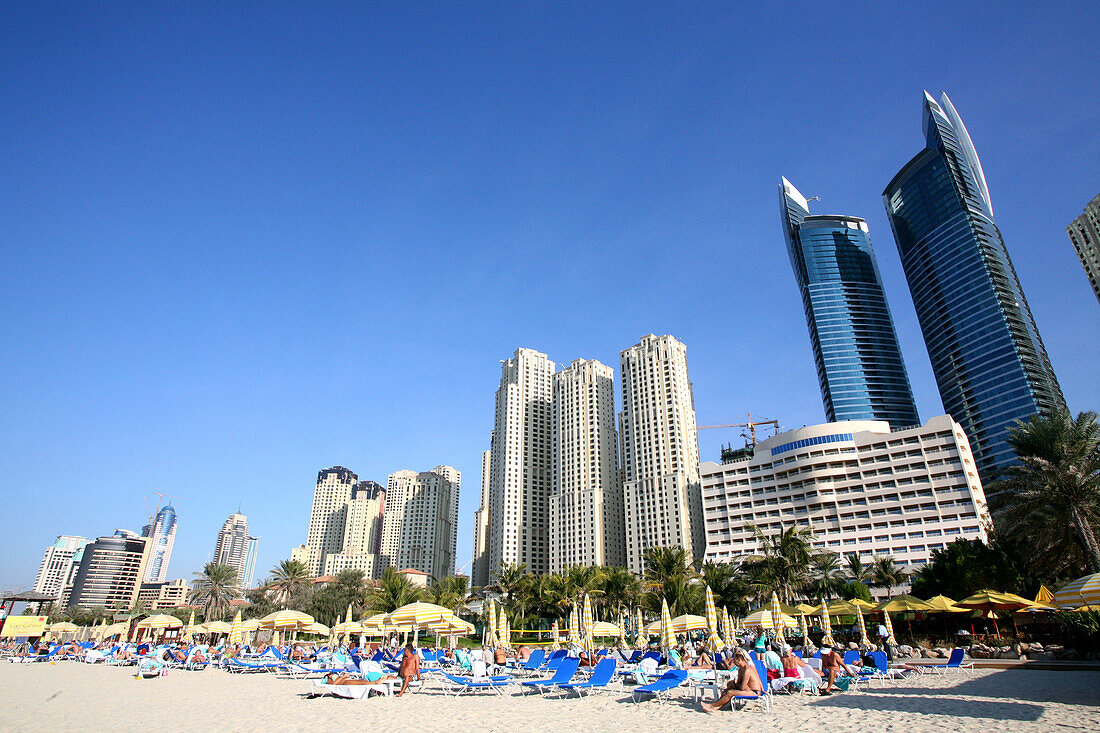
pixel 153 515
pixel 751 425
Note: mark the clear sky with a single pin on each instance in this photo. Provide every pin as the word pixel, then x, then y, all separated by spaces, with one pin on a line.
pixel 243 242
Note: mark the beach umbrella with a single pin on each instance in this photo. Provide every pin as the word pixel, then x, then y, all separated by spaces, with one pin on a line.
pixel 100 629
pixel 713 640
pixel 575 627
pixel 862 627
pixel 419 614
pixel 1044 596
pixel 731 629
pixel 554 635
pixel 236 635
pixel 777 619
pixel 606 628
pixel 491 629
pixel 188 630
pixel 275 638
pixel 805 608
pixel 1084 591
pixel 286 620
pixel 505 628
pixel 762 617
pixel 251 625
pixel 586 623
pixel 943 604
pixel 316 629
pixel 902 603
pixel 63 627
pixel 160 621
pixel 681 624
pixel 668 637
pixel 826 626
pixel 991 601
pixel 842 608
pixel 216 627
pixel 889 626
pixel 865 605
pixel 802 627
pixel 639 626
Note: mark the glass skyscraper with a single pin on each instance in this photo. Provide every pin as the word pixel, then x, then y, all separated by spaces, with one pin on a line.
pixel 990 364
pixel 859 364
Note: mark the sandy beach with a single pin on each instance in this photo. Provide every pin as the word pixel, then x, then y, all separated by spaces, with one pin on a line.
pixel 71 696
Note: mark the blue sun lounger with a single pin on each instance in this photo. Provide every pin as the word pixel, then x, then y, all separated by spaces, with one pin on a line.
pixel 661 687
pixel 563 674
pixel 954 662
pixel 601 677
pixel 458 685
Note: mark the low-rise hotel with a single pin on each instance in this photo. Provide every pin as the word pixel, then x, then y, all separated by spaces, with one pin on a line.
pixel 856 486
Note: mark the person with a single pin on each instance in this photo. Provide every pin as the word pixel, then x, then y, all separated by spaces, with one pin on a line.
pixel 487 657
pixel 747 682
pixel 772 664
pixel 500 657
pixel 524 654
pixel 410 667
pixel 831 664
pixel 703 661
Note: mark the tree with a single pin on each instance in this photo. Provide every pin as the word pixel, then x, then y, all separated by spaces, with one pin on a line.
pixel 331 601
pixel 827 576
pixel 855 589
pixel 288 579
pixel 885 573
pixel 509 582
pixel 392 592
pixel 784 563
pixel 620 590
pixel 965 566
pixel 450 592
pixel 855 569
pixel 668 576
pixel 1052 495
pixel 214 588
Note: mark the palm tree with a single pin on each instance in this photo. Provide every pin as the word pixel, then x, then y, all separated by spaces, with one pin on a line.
pixel 668 576
pixel 214 588
pixel 509 582
pixel 288 579
pixel 885 573
pixel 620 589
pixel 856 570
pixel 1052 496
pixel 827 575
pixel 450 592
pixel 785 561
pixel 392 592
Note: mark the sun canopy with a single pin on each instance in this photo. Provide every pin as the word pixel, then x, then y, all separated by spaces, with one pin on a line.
pixel 216 627
pixel 160 621
pixel 762 617
pixel 286 620
pixel 1084 591
pixel 603 628
pixel 680 624
pixel 901 603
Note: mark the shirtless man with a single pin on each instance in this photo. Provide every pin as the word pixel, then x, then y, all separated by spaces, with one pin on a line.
pixel 410 667
pixel 831 664
pixel 747 682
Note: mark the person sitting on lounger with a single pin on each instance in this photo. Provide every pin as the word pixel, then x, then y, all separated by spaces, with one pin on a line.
pixel 747 682
pixel 703 661
pixel 500 657
pixel 410 667
pixel 831 664
pixel 343 678
pixel 523 654
pixel 123 654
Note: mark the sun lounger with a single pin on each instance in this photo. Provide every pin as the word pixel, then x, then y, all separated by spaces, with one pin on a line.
pixel 954 663
pixel 458 685
pixel 237 665
pixel 533 662
pixel 563 674
pixel 661 688
pixel 601 677
pixel 352 692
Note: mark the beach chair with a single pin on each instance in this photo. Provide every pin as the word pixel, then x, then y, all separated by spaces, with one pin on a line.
pixel 765 696
pixel 851 656
pixel 563 674
pixel 243 667
pixel 600 679
pixel 554 659
pixel 532 664
pixel 456 685
pixel 954 663
pixel 661 688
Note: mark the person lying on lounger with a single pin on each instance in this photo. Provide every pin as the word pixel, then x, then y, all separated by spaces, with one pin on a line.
pixel 343 678
pixel 747 682
pixel 703 661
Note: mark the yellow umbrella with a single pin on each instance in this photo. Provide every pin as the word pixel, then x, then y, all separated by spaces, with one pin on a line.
pixel 903 602
pixel 668 638
pixel 842 608
pixel 505 631
pixel 252 624
pixel 335 632
pixel 188 630
pixel 100 629
pixel 991 600
pixel 805 608
pixel 160 621
pixel 713 641
pixel 491 616
pixel 554 635
pixel 681 624
pixel 419 614
pixel 762 617
pixel 286 620
pixel 826 626
pixel 316 629
pixel 865 605
pixel 1044 596
pixel 63 627
pixel 1084 591
pixel 275 638
pixel 236 629
pixel 575 627
pixel 216 627
pixel 777 620
pixel 606 628
pixel 889 626
pixel 731 626
pixel 586 624
pixel 802 627
pixel 862 627
pixel 639 626
pixel 943 604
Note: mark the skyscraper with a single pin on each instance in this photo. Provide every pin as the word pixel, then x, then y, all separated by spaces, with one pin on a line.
pixel 989 361
pixel 660 451
pixel 236 547
pixel 335 489
pixel 479 569
pixel 586 503
pixel 110 572
pixel 362 541
pixel 418 528
pixel 859 365
pixel 57 561
pixel 162 535
pixel 1084 232
pixel 519 480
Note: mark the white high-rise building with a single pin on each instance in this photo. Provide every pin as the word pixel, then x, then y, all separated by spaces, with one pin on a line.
pixel 237 548
pixel 57 562
pixel 660 450
pixel 479 570
pixel 335 489
pixel 362 533
pixel 855 485
pixel 162 533
pixel 519 476
pixel 586 503
pixel 418 529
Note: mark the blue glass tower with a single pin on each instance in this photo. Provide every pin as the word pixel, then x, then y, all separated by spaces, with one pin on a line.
pixel 859 364
pixel 990 364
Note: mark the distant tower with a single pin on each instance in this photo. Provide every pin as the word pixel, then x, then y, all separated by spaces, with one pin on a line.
pixel 162 535
pixel 1084 232
pixel 479 570
pixel 990 364
pixel 110 573
pixel 57 561
pixel 418 527
pixel 237 548
pixel 331 496
pixel 660 451
pixel 859 365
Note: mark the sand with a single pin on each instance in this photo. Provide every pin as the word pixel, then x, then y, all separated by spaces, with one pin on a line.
pixel 75 696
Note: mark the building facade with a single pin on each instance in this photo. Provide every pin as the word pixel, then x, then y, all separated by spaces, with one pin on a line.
pixel 57 562
pixel 1084 233
pixel 479 568
pixel 237 548
pixel 332 497
pixel 419 527
pixel 361 545
pixel 585 509
pixel 111 572
pixel 989 362
pixel 660 450
pixel 162 533
pixel 856 352
pixel 855 486
pixel 519 479
pixel 164 594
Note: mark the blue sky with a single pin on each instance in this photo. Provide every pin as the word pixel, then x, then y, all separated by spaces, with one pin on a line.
pixel 243 242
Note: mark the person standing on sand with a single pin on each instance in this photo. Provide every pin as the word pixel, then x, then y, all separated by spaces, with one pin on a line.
pixel 410 667
pixel 747 683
